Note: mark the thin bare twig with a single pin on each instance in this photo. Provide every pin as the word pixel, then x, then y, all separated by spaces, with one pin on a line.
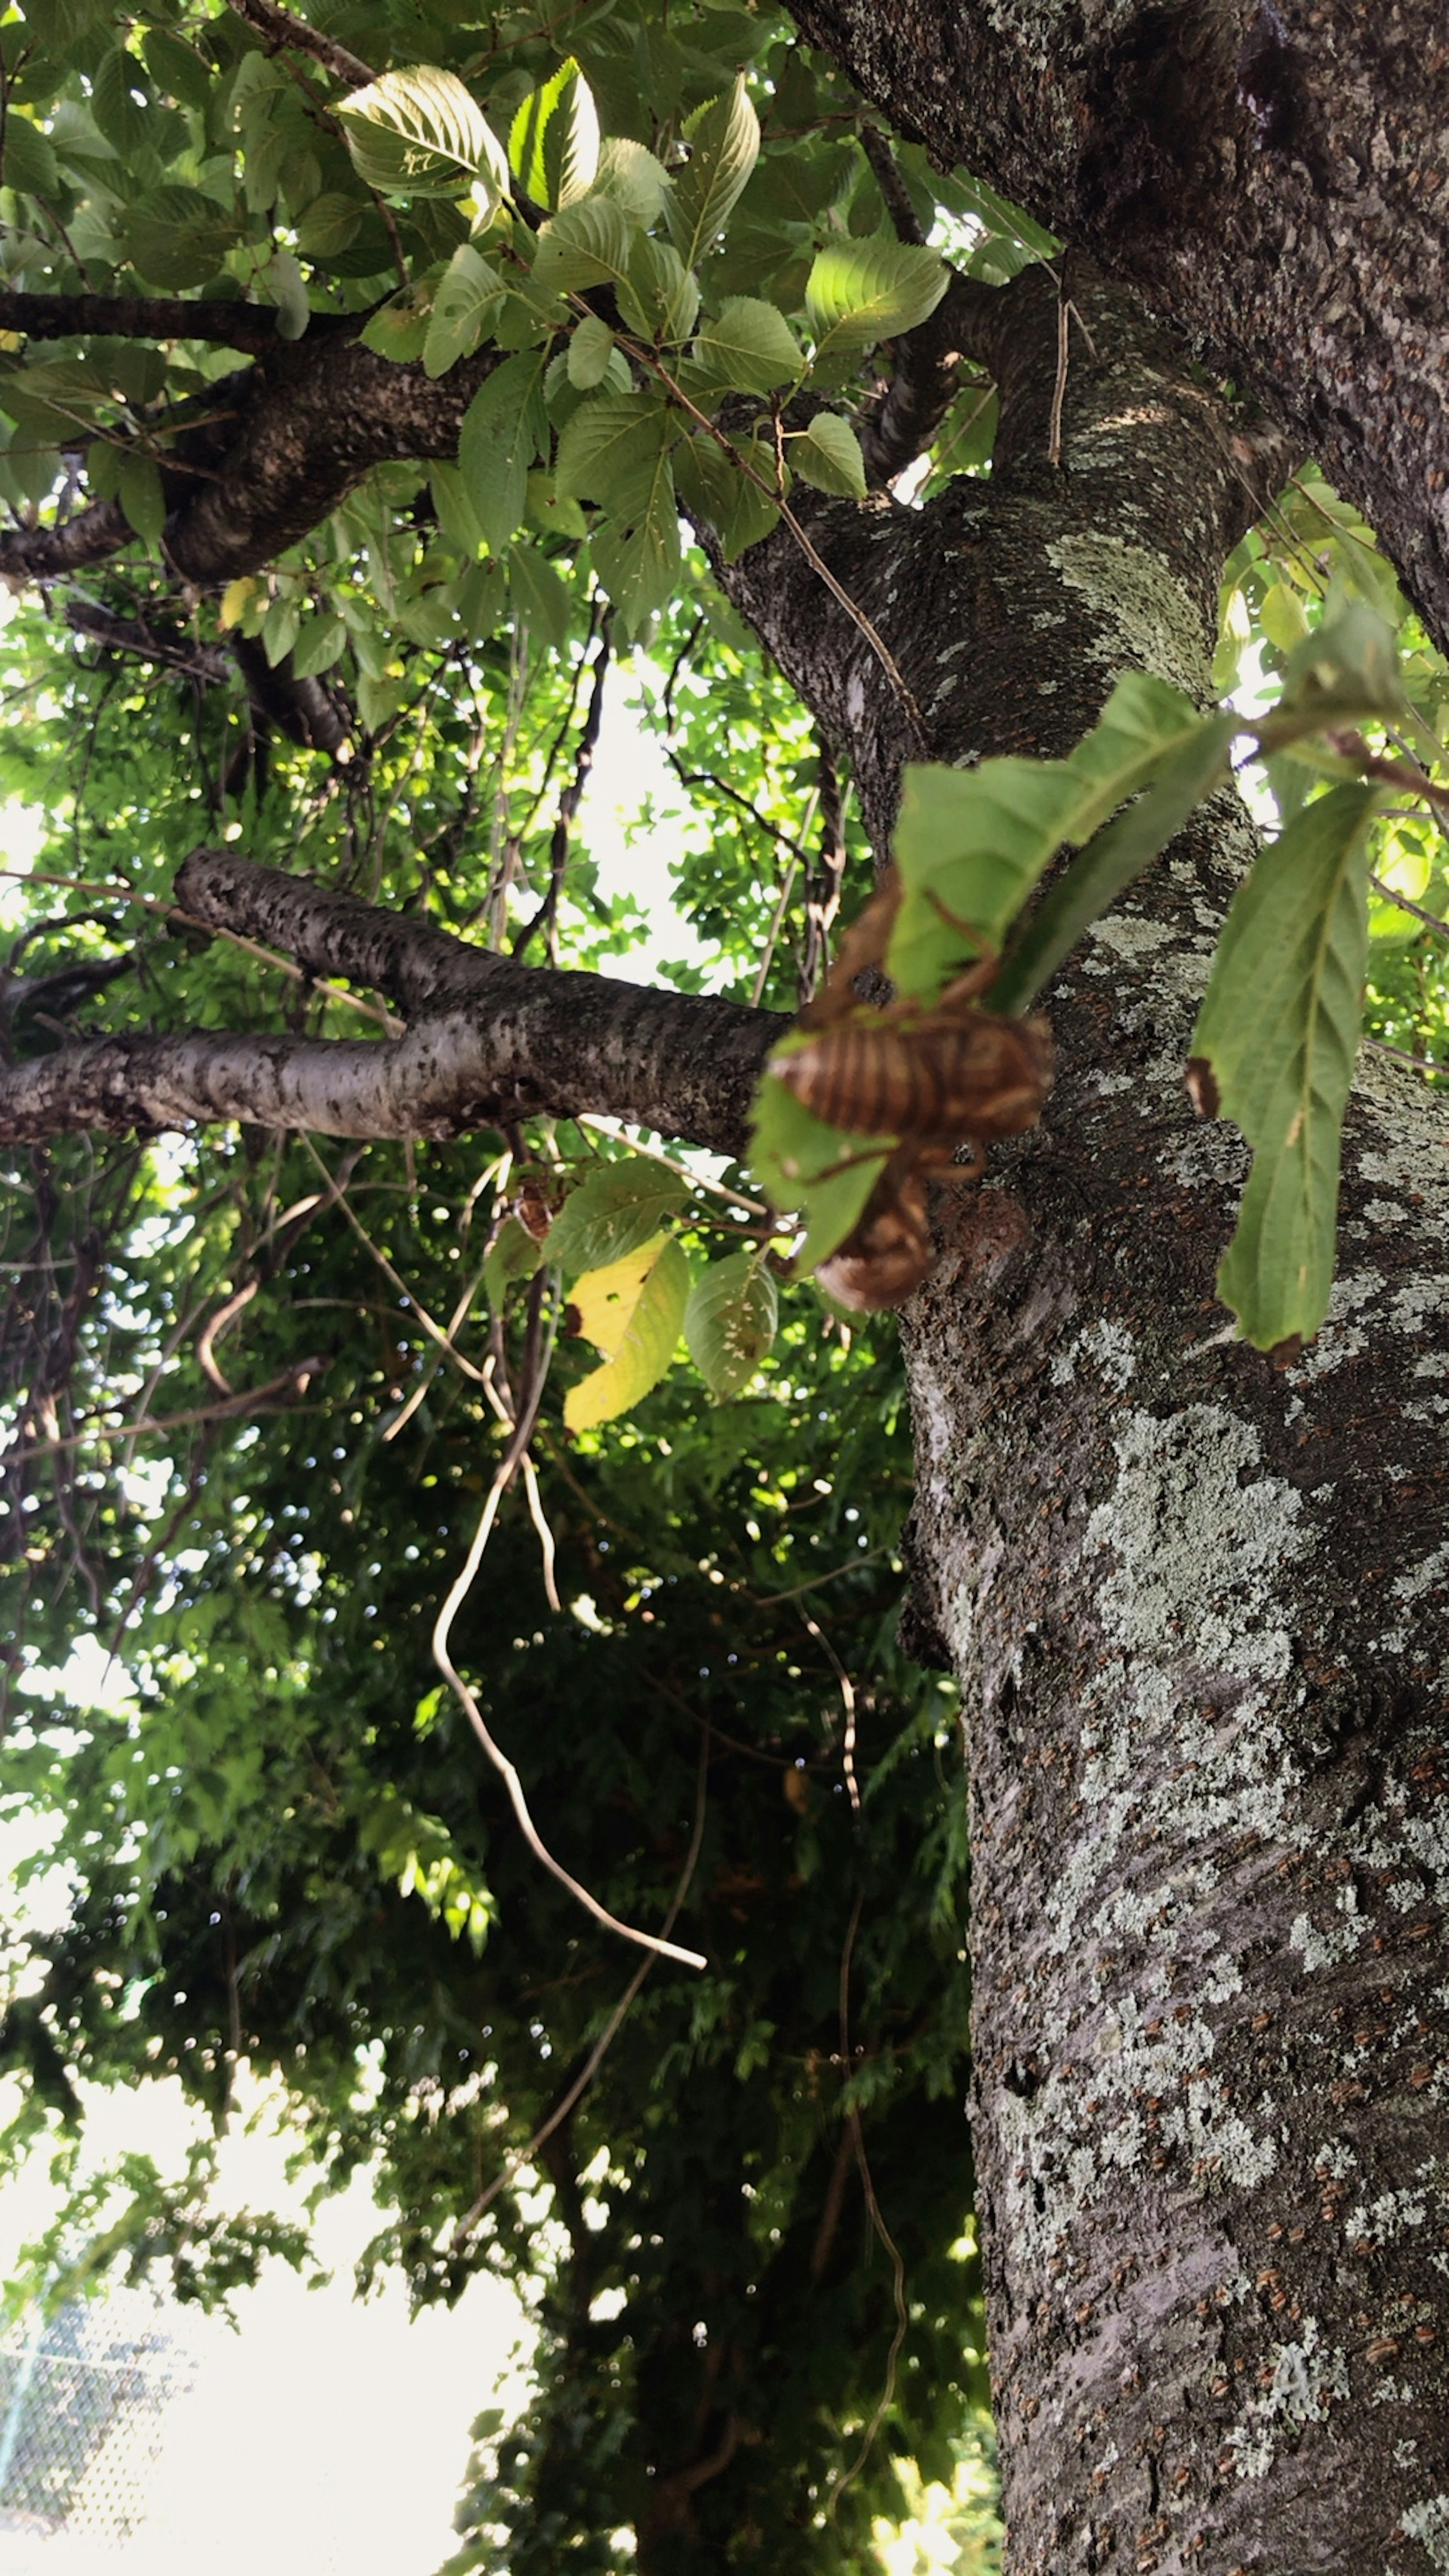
pixel 580 2085
pixel 847 1698
pixel 468 1702
pixel 1390 894
pixel 898 2269
pixel 1425 1063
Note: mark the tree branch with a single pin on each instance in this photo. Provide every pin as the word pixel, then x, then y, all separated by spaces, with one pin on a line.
pixel 47 554
pixel 280 28
pixel 252 327
pixel 493 1042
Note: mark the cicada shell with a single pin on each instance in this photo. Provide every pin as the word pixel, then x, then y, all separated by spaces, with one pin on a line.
pixel 943 1078
pixel 884 1259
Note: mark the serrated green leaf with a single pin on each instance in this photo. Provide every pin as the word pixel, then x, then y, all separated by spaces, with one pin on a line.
pixel 540 598
pixel 828 455
pixel 176 236
pixel 1279 1028
pixel 642 1333
pixel 319 643
pixel 971 844
pixel 610 451
pixel 749 347
pixel 633 178
pixel 620 1206
pixel 587 245
pixel 420 133
pixel 399 328
pixel 639 562
pixel 553 147
pixel 659 298
pixel 29 161
pixel 730 1321
pixel 465 301
pixel 724 144
pixel 1110 860
pixel 121 100
pixel 1342 673
pixel 177 68
pixel 328 225
pixel 589 352
pixel 504 429
pixel 138 488
pixel 863 291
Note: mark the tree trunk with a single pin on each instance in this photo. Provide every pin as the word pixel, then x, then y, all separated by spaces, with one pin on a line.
pixel 1198 1607
pixel 1271 175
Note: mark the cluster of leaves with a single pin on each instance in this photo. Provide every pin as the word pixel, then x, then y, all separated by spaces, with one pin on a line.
pixel 1279 1027
pixel 286 1852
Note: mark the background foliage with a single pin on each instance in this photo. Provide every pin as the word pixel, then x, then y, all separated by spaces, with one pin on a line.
pixel 284 1848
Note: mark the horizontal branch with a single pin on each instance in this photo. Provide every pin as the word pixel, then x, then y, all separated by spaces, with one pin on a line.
pixel 252 327
pixel 492 1042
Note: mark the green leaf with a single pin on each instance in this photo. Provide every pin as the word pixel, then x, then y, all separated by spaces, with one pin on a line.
pixel 659 298
pixel 319 644
pixel 801 1163
pixel 287 288
pixel 420 133
pixel 399 328
pixel 542 601
pixel 177 69
pixel 513 1255
pixel 1113 857
pixel 729 1322
pixel 467 296
pixel 749 347
pixel 610 452
pixel 176 236
pixel 138 488
pixel 1344 672
pixel 328 225
pixel 724 145
pixel 863 291
pixel 121 100
pixel 553 148
pixel 639 1337
pixel 639 563
pixel 587 245
pixel 971 844
pixel 633 178
pixel 29 158
pixel 828 455
pixel 1277 1032
pixel 620 1206
pixel 504 429
pixel 589 352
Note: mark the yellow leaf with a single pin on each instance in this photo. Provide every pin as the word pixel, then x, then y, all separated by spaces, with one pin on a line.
pixel 235 599
pixel 604 1300
pixel 641 1322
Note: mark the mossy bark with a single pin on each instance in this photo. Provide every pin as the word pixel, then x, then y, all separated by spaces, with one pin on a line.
pixel 1199 1607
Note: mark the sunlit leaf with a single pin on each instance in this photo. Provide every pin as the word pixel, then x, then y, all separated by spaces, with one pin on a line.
pixel 1275 1040
pixel 420 133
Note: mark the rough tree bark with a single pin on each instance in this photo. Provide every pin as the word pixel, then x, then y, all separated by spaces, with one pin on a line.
pixel 1200 1611
pixel 1271 175
pixel 1199 1608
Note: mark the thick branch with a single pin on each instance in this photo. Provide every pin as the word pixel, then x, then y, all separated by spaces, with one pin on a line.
pixel 46 554
pixel 492 1041
pixel 252 327
pixel 1269 177
pixel 971 320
